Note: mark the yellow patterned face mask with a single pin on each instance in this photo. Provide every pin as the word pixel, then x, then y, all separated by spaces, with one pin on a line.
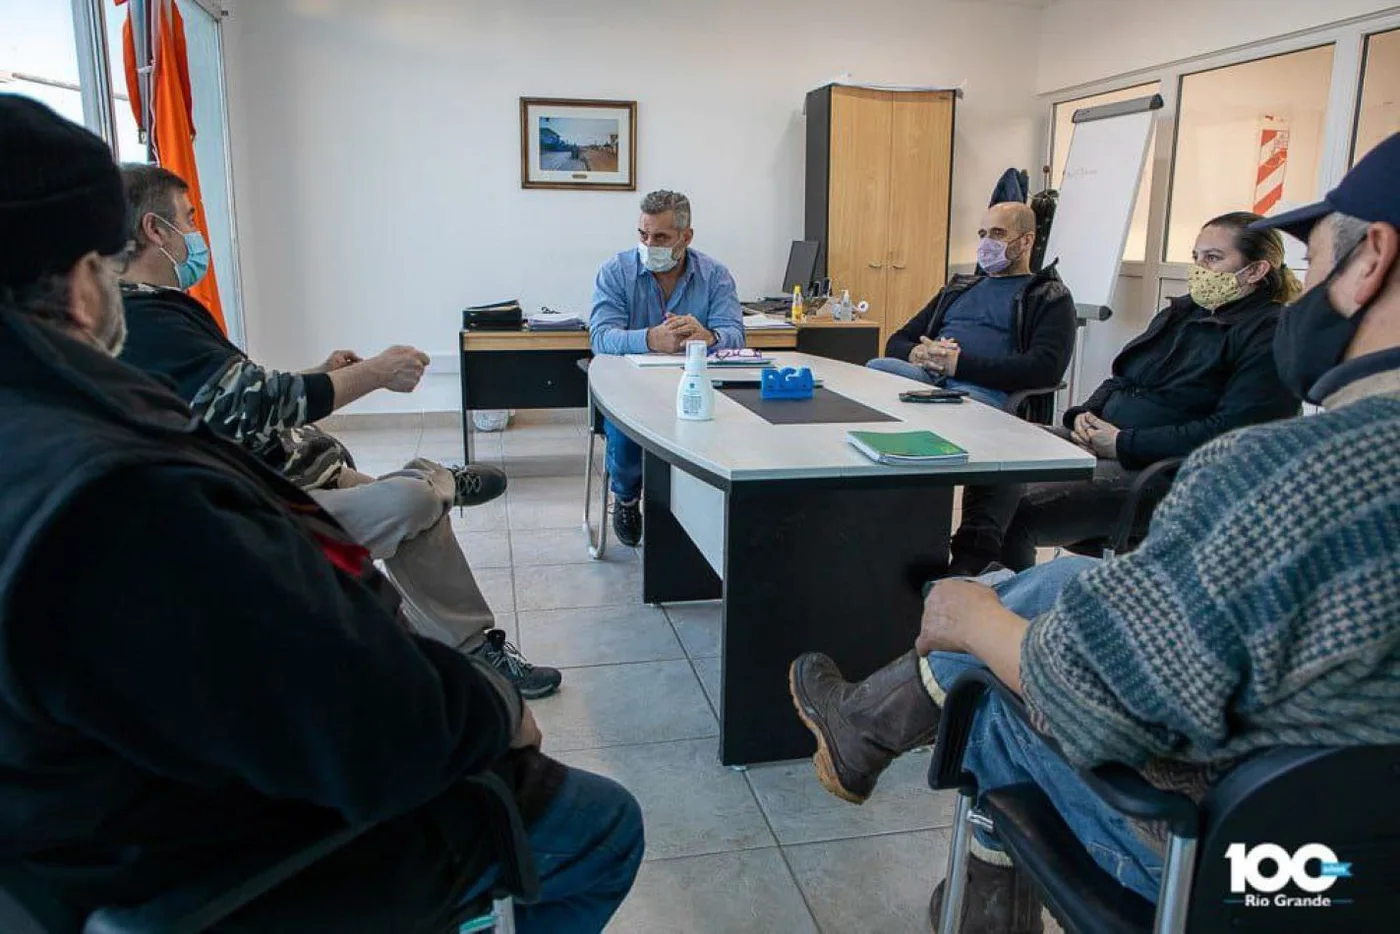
pixel 1211 289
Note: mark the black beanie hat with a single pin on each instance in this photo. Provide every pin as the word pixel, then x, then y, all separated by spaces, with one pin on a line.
pixel 60 193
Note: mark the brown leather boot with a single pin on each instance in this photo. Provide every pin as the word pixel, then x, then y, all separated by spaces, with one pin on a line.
pixel 997 900
pixel 861 728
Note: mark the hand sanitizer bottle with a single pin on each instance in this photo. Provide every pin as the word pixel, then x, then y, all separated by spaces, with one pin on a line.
pixel 695 396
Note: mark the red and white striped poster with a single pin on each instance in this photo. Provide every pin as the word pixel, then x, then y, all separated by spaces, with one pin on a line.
pixel 1273 161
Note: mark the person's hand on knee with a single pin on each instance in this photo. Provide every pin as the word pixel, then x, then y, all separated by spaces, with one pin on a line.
pixel 950 608
pixel 529 735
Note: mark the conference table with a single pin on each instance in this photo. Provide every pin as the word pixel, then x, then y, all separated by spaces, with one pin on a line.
pixel 810 545
pixel 520 369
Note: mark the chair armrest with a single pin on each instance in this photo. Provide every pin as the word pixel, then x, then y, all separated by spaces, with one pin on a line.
pixel 1117 785
pixel 519 876
pixel 1015 400
pixel 1163 472
pixel 205 901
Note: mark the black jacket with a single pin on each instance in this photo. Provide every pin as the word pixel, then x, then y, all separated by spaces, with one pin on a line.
pixel 1191 376
pixel 1043 330
pixel 197 661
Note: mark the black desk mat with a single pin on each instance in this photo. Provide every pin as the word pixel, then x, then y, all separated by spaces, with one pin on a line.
pixel 824 408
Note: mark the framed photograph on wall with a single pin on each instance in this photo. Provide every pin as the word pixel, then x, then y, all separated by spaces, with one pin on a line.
pixel 578 144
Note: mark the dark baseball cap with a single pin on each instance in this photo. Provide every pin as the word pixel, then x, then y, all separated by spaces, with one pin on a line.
pixel 1370 191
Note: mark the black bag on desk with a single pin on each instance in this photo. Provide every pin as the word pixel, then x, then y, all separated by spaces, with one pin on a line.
pixel 501 316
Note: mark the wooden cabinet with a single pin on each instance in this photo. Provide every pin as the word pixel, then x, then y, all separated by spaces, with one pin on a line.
pixel 879 177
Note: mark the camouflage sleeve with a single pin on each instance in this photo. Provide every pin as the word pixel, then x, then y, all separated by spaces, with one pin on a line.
pixel 252 405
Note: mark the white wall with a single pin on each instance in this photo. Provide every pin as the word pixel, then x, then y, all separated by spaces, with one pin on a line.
pixel 1083 41
pixel 377 158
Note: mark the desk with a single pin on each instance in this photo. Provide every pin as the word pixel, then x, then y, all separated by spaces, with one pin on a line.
pixel 539 370
pixel 810 545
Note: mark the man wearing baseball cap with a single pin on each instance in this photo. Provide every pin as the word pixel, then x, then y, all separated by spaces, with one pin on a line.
pixel 1261 610
pixel 1341 334
pixel 199 665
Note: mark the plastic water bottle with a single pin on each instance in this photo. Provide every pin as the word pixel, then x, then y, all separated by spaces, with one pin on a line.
pixel 695 396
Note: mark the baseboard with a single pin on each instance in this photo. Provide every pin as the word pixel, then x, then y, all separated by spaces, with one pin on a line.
pixel 374 421
pixel 384 421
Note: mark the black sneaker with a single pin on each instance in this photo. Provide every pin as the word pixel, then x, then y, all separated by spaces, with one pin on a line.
pixel 627 523
pixel 477 484
pixel 533 681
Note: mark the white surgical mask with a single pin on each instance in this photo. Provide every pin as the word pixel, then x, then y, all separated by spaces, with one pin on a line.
pixel 656 258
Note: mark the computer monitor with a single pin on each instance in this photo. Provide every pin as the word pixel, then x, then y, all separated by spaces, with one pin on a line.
pixel 801 267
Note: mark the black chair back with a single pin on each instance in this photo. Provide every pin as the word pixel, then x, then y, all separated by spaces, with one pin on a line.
pixel 1344 799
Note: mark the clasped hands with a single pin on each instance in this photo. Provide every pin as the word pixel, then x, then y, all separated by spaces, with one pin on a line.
pixel 670 335
pixel 1095 435
pixel 939 357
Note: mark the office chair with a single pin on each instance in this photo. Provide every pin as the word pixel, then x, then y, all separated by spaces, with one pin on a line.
pixel 27 907
pixel 1033 405
pixel 1148 490
pixel 1287 796
pixel 597 547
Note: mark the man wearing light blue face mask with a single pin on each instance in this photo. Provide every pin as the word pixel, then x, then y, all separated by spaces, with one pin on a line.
pixel 652 299
pixel 995 334
pixel 402 518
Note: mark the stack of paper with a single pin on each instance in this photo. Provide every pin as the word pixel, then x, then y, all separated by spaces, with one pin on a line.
pixel 905 448
pixel 764 322
pixel 547 320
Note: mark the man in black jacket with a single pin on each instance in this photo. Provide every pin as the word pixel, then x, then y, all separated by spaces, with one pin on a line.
pixel 200 665
pixel 996 334
pixel 1203 367
pixel 403 518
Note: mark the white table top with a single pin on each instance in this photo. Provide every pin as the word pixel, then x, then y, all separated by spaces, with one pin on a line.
pixel 740 445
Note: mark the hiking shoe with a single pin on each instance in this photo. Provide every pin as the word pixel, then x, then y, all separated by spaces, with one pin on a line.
pixel 476 484
pixel 533 681
pixel 627 523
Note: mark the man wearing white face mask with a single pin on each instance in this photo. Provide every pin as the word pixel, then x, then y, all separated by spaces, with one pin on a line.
pixel 652 299
pixel 996 334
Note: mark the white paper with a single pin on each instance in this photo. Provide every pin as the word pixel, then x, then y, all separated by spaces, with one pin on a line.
pixel 764 322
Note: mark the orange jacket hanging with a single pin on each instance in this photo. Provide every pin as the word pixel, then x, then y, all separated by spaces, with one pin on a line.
pixel 172 133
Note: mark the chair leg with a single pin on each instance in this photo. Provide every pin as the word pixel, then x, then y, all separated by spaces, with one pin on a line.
pixel 504 911
pixel 597 547
pixel 1174 897
pixel 955 880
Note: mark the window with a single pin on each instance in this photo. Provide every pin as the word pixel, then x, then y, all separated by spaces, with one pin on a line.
pixel 130 147
pixel 1136 247
pixel 1378 114
pixel 39 54
pixel 1249 138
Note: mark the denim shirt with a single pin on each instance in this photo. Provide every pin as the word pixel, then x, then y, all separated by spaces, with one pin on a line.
pixel 627 301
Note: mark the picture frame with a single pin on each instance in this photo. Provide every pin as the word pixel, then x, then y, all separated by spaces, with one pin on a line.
pixel 580 145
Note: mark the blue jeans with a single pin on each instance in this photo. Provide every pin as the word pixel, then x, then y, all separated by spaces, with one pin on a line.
pixel 1004 751
pixel 908 370
pixel 624 463
pixel 588 846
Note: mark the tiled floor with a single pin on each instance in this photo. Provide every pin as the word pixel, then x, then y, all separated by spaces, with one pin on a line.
pixel 764 850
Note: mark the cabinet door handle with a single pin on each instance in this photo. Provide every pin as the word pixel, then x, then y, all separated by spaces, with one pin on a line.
pixel 876 265
pixel 899 265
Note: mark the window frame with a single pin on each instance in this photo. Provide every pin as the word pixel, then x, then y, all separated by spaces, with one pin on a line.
pixel 1348 38
pixel 1366 38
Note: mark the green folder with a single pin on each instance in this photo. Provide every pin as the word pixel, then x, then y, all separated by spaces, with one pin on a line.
pixel 906 447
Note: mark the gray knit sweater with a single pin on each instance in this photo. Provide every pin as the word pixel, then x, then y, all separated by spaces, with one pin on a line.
pixel 1263 608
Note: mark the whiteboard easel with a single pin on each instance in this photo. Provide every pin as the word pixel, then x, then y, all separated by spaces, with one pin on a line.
pixel 1103 170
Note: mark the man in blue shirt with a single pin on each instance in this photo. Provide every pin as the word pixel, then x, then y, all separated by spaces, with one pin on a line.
pixel 653 299
pixel 995 334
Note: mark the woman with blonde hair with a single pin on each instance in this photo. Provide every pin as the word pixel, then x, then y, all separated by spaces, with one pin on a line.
pixel 1203 366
